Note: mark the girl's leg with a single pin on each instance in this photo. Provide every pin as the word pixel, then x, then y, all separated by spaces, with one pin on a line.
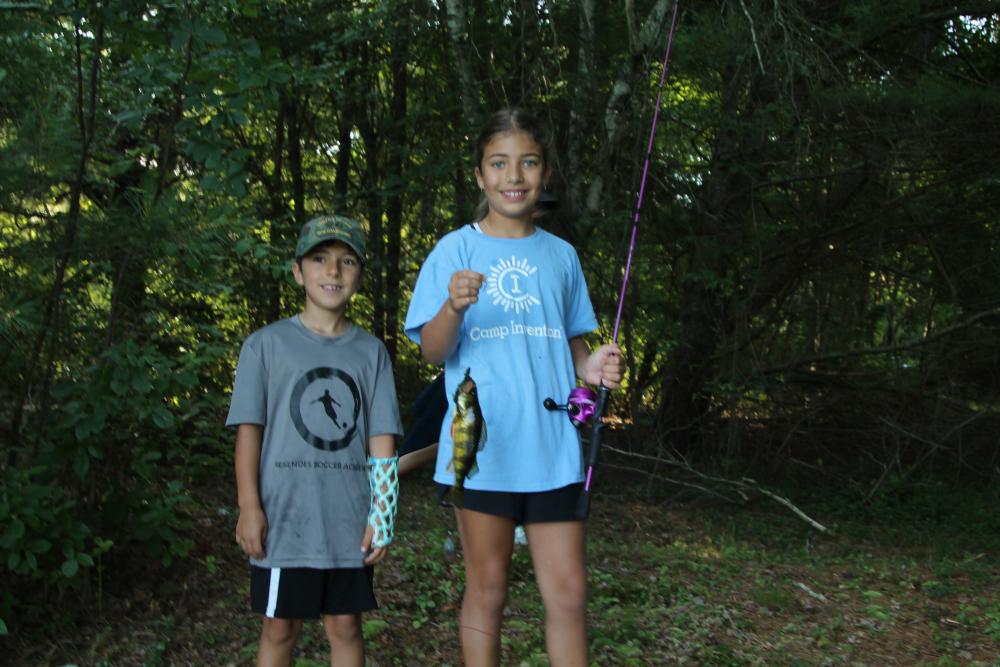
pixel 347 646
pixel 557 552
pixel 487 544
pixel 277 639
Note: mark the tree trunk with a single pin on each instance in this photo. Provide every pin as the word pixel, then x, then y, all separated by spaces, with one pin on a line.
pixel 703 306
pixel 85 125
pixel 296 113
pixel 278 213
pixel 375 249
pixel 398 157
pixel 650 37
pixel 458 32
pixel 577 125
pixel 341 182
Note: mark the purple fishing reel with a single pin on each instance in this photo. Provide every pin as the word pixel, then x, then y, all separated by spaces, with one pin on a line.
pixel 580 406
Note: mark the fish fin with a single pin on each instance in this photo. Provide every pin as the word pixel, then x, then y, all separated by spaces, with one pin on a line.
pixel 450 466
pixel 482 438
pixel 472 471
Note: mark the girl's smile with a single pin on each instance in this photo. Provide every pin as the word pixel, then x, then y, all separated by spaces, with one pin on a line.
pixel 514 196
pixel 512 175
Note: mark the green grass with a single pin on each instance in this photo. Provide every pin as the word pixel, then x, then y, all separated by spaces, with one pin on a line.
pixel 669 584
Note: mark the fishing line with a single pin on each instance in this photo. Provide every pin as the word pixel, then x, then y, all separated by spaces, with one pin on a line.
pixel 597 423
pixel 645 174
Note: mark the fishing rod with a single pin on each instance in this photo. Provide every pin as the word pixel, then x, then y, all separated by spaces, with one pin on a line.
pixel 597 423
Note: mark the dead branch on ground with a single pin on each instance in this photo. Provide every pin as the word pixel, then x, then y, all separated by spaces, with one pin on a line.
pixel 744 487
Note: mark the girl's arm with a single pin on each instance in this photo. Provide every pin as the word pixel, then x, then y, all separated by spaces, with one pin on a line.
pixel 251 527
pixel 603 366
pixel 439 337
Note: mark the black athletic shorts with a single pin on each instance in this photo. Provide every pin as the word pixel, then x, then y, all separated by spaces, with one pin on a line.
pixel 303 592
pixel 524 508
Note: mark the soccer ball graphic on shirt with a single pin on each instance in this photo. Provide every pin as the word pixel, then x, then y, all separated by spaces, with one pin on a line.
pixel 324 407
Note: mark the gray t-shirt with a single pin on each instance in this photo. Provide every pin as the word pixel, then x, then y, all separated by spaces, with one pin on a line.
pixel 319 400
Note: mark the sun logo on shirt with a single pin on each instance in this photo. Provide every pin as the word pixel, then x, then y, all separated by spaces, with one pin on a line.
pixel 507 284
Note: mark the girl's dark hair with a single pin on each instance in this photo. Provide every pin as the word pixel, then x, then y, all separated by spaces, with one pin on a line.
pixel 509 120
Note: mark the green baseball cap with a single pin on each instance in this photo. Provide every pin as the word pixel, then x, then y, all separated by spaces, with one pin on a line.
pixel 331 228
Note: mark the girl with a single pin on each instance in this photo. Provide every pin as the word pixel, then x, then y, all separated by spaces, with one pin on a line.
pixel 521 343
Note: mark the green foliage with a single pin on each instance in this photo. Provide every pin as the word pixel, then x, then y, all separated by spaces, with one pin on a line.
pixel 373 628
pixel 43 541
pixel 814 294
pixel 433 580
pixel 127 420
pixel 775 598
pixel 41 538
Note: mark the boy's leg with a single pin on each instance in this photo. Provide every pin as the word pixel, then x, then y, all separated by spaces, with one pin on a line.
pixel 277 639
pixel 487 545
pixel 347 646
pixel 557 553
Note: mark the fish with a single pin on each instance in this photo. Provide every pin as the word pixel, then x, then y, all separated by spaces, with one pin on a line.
pixel 468 435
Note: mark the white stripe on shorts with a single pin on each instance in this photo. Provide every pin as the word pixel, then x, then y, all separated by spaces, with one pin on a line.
pixel 272 592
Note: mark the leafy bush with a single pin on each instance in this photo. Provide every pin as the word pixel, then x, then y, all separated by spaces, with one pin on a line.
pixel 42 540
pixel 131 427
pixel 125 427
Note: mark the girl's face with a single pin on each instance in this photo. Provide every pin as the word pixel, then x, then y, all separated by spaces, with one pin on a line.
pixel 512 175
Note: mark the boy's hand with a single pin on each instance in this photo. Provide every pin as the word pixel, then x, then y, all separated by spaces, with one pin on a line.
pixel 372 555
pixel 605 366
pixel 251 530
pixel 463 289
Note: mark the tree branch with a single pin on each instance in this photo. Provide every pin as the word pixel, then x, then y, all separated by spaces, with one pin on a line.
pixel 886 349
pixel 743 487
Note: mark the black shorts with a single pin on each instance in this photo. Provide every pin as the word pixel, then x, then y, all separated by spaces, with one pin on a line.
pixel 303 592
pixel 524 508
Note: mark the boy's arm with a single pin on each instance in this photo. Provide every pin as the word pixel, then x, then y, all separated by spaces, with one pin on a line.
pixel 251 527
pixel 385 493
pixel 603 366
pixel 439 336
pixel 382 446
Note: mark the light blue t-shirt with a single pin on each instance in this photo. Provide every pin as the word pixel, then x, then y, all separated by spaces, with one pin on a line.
pixel 515 341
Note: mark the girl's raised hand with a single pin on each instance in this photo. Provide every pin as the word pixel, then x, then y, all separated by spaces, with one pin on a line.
pixel 605 366
pixel 463 289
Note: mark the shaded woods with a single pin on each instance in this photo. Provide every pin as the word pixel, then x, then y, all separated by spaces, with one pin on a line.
pixel 815 298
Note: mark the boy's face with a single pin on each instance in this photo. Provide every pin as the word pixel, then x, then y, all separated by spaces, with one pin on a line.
pixel 330 274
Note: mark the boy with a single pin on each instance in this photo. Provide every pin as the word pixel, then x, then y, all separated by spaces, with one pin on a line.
pixel 314 405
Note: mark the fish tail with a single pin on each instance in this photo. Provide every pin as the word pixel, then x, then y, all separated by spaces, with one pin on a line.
pixel 457 495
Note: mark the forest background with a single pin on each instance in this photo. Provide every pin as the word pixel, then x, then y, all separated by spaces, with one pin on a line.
pixel 815 300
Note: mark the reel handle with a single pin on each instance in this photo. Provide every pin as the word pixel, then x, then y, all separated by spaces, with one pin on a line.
pixel 580 406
